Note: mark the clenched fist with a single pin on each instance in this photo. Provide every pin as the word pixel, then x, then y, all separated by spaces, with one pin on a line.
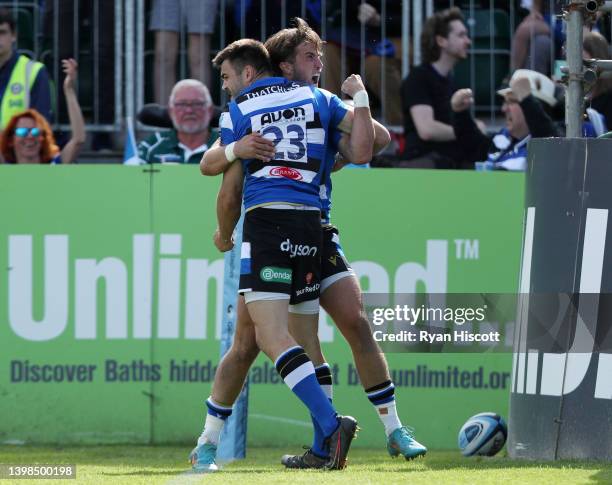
pixel 222 244
pixel 352 85
pixel 461 100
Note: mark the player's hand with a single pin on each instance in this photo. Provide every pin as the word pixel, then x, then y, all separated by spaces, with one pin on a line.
pixel 352 85
pixel 70 68
pixel 339 162
pixel 368 15
pixel 221 243
pixel 461 100
pixel 521 88
pixel 254 146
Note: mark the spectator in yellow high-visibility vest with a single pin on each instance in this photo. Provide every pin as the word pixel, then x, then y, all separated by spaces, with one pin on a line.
pixel 24 83
pixel 28 138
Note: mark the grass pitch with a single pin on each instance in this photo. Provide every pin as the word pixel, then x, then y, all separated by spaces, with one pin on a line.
pixel 151 465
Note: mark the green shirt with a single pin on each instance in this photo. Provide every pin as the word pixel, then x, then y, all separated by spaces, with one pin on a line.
pixel 164 147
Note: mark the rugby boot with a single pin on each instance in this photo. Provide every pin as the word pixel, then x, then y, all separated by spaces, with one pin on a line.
pixel 307 460
pixel 340 442
pixel 202 458
pixel 402 442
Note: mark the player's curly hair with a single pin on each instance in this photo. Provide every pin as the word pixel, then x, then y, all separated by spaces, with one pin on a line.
pixel 281 46
pixel 437 25
pixel 244 52
pixel 48 147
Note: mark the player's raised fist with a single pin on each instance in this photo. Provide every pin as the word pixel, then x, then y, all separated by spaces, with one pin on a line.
pixel 352 85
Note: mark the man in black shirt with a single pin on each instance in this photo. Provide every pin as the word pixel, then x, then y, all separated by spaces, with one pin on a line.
pixel 426 93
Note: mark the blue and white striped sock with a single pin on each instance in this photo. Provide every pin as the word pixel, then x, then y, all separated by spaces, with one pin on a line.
pixel 215 419
pixel 324 377
pixel 382 396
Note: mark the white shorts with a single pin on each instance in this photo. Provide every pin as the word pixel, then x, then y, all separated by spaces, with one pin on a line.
pixel 310 307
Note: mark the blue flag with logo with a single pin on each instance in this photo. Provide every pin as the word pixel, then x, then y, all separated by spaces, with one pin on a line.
pixel 130 152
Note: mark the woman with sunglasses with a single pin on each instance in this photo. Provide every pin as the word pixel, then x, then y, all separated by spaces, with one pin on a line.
pixel 28 137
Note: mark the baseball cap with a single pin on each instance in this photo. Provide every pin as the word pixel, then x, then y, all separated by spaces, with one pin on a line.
pixel 542 87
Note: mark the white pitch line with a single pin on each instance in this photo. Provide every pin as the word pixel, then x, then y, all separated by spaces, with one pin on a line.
pixel 294 422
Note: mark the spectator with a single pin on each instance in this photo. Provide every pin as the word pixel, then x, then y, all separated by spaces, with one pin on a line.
pixel 28 137
pixel 167 19
pixel 595 46
pixel 367 14
pixel 190 108
pixel 24 83
pixel 525 103
pixel 531 42
pixel 426 94
pixel 94 29
pixel 258 22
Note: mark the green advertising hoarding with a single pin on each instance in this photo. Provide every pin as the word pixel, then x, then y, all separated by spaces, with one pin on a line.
pixel 110 304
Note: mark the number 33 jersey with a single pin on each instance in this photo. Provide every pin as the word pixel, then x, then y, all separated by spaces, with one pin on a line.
pixel 299 120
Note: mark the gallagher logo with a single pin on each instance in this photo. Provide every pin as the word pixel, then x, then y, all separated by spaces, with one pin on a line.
pixel 288 173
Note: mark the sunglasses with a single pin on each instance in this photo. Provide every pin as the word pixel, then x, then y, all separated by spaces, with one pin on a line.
pixel 23 132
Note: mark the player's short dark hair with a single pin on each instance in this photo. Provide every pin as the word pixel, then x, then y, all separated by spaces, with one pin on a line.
pixel 245 52
pixel 437 25
pixel 6 17
pixel 281 46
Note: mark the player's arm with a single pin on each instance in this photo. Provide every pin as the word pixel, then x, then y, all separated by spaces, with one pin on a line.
pixel 381 135
pixel 229 203
pixel 359 122
pixel 427 127
pixel 218 158
pixel 382 138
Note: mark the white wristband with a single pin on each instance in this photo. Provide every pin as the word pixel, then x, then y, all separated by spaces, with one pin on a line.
pixel 229 152
pixel 361 99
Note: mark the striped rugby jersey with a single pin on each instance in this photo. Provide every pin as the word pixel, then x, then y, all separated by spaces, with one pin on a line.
pixel 326 185
pixel 298 118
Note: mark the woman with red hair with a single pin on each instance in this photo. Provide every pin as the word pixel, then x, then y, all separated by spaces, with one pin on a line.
pixel 28 138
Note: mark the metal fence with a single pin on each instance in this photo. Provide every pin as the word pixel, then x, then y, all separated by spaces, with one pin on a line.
pixel 115 48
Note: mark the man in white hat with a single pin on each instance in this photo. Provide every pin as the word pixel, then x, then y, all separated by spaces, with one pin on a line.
pixel 525 103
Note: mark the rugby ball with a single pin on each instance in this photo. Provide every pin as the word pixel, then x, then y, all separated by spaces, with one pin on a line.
pixel 483 434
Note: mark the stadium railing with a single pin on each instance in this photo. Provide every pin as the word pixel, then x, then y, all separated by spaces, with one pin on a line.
pixel 491 23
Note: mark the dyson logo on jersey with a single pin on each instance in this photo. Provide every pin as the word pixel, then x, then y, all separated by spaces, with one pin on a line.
pixel 288 173
pixel 284 115
pixel 297 249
